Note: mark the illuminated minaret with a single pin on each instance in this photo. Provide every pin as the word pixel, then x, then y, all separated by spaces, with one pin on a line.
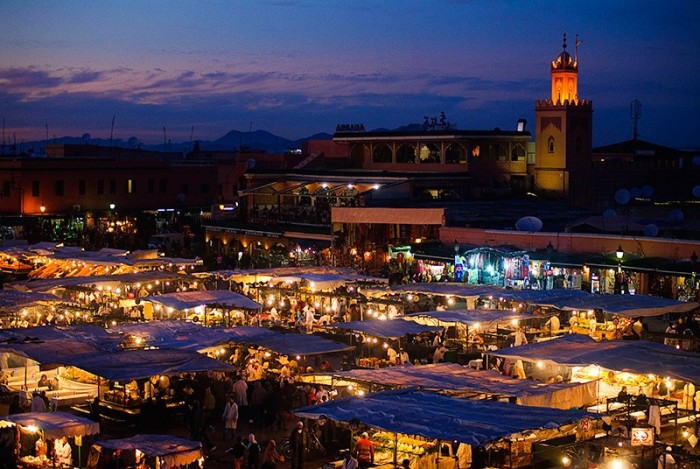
pixel 563 133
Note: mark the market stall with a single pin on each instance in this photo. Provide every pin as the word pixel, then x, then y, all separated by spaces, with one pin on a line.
pixel 456 380
pixel 37 430
pixel 374 337
pixel 195 305
pixel 152 451
pixel 415 425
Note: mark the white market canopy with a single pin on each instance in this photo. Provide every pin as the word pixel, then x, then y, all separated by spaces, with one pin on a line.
pixel 56 345
pixel 173 450
pixel 188 335
pixel 12 300
pixel 323 278
pixel 565 299
pixel 138 364
pixel 435 416
pixel 454 378
pixel 48 284
pixel 389 329
pixel 471 317
pixel 210 298
pixel 633 356
pixel 54 424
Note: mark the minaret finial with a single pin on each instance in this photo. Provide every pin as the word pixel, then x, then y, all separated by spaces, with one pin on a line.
pixel 564 45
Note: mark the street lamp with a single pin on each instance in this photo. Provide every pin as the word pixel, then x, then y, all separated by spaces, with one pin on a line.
pixel 42 208
pixel 619 253
pixel 112 206
pixel 456 247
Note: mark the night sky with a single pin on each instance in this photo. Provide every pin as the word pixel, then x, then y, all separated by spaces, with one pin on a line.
pixel 298 67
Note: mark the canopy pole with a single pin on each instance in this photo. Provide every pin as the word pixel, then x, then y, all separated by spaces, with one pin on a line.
pixel 396 444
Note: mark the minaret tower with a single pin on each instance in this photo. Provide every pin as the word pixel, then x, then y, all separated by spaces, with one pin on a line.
pixel 563 134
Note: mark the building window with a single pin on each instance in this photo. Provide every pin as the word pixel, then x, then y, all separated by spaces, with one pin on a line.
pixel 455 153
pixel 163 185
pixel 406 154
pixel 204 188
pixel 129 186
pixel 7 188
pixel 151 186
pixel 429 153
pixel 81 187
pixel 517 153
pixel 382 154
pixel 100 186
pixel 35 188
pixel 112 186
pixel 550 145
pixel 59 187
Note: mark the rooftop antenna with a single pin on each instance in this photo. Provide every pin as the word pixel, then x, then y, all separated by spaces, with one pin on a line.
pixel 191 134
pixel 47 132
pixel 165 139
pixel 111 132
pixel 3 135
pixel 635 114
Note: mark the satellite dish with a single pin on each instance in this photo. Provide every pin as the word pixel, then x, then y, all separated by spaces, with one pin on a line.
pixel 529 224
pixel 609 213
pixel 86 137
pixel 696 192
pixel 651 230
pixel 676 215
pixel 635 192
pixel 133 142
pixel 622 196
pixel 647 192
pixel 696 161
pixel 180 197
pixel 251 163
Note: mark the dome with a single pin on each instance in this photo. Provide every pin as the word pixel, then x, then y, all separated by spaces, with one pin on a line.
pixel 564 62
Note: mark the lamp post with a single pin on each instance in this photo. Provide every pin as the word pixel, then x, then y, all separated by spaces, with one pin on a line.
pixel 619 254
pixel 459 267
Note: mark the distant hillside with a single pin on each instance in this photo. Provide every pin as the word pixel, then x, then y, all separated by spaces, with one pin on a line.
pixel 260 140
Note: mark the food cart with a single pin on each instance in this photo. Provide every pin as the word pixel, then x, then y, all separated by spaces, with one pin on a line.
pixel 35 429
pixel 152 451
pixel 424 428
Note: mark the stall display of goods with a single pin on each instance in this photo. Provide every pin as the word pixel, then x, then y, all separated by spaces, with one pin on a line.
pixel 78 375
pixel 372 362
pixel 404 444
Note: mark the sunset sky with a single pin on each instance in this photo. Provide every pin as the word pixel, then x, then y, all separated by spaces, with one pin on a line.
pixel 298 67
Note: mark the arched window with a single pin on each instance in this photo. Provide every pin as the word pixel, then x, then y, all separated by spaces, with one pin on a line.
pixel 455 153
pixel 517 153
pixel 550 145
pixel 381 154
pixel 429 153
pixel 497 152
pixel 406 154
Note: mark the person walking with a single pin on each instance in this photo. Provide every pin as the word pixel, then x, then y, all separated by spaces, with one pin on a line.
pixel 230 417
pixel 298 441
pixel 254 451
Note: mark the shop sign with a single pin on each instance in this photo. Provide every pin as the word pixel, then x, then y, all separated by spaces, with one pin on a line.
pixel 350 128
pixel 642 436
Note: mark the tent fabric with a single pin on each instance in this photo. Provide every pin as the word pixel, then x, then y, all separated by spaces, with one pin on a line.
pixel 56 345
pixel 470 317
pixel 13 299
pixel 44 285
pixel 634 356
pixel 191 336
pixel 54 424
pixel 624 305
pixel 435 416
pixel 192 299
pixel 453 378
pixel 173 450
pixel 392 328
pixel 138 364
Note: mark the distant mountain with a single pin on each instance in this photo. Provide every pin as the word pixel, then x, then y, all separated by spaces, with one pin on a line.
pixel 259 140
